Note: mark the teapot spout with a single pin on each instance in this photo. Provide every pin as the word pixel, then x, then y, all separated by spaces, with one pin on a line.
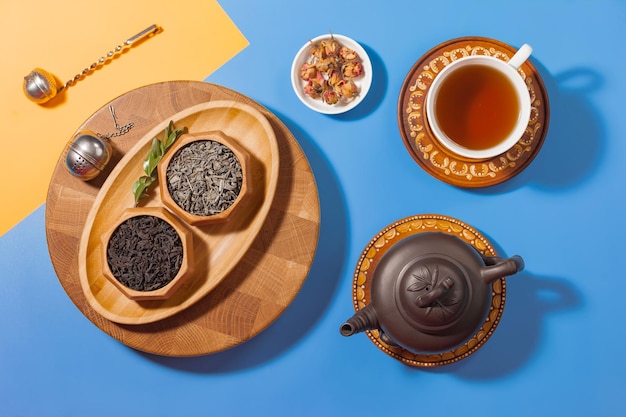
pixel 364 319
pixel 498 268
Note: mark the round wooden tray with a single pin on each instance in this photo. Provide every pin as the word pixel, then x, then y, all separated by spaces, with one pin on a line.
pixel 259 288
pixel 409 226
pixel 437 160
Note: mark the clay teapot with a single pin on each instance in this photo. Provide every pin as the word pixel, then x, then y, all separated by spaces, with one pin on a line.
pixel 430 293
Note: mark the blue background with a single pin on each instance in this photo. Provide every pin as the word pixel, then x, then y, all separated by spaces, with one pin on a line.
pixel 559 349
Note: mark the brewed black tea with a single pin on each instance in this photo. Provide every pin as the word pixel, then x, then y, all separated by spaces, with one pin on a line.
pixel 477 107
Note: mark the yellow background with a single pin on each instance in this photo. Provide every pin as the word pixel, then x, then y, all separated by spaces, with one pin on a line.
pixel 65 36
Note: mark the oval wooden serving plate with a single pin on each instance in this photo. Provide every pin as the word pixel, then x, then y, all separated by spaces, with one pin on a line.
pixel 217 248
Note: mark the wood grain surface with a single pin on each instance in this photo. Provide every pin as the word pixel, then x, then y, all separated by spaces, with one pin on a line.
pixel 259 288
pixel 218 247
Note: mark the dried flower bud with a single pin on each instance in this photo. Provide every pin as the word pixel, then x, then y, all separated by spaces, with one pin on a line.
pixel 315 87
pixel 334 79
pixel 352 69
pixel 331 47
pixel 330 97
pixel 308 72
pixel 348 54
pixel 326 65
pixel 347 89
pixel 317 51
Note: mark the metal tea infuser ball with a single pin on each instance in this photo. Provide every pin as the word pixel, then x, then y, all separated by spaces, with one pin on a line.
pixel 88 153
pixel 41 86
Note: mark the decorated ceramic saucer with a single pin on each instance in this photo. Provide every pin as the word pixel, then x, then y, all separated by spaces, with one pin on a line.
pixel 436 159
pixel 395 233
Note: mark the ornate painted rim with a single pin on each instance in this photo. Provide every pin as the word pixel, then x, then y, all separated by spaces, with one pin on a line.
pixel 437 160
pixel 409 226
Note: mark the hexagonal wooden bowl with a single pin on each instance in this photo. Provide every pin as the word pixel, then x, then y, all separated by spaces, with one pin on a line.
pixel 186 266
pixel 246 185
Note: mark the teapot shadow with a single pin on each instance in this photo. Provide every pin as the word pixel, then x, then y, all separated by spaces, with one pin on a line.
pixel 315 295
pixel 530 298
pixel 575 142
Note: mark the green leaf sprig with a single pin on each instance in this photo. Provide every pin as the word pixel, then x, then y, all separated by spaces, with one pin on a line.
pixel 157 150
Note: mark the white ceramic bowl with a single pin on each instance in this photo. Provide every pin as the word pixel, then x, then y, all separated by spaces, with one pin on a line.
pixel 363 82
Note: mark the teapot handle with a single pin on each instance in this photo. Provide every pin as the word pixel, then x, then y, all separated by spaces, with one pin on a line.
pixel 497 268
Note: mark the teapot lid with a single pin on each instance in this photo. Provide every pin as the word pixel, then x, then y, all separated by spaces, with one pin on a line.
pixel 432 292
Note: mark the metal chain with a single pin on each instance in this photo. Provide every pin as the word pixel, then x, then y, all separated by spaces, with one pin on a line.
pixel 120 130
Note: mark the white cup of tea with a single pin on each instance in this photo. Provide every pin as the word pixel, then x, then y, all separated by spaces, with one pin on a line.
pixel 479 106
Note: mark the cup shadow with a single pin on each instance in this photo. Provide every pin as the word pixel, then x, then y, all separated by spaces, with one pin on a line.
pixel 530 298
pixel 575 143
pixel 316 293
